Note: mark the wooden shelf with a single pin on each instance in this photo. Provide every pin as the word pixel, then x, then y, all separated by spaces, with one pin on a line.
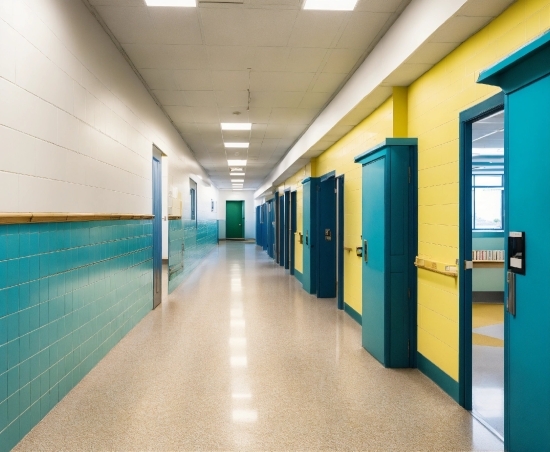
pixel 45 217
pixel 488 264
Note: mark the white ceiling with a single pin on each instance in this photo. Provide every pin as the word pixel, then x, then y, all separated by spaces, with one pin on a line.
pixel 201 62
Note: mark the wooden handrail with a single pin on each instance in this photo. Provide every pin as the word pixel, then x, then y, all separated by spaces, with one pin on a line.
pixel 51 217
pixel 437 267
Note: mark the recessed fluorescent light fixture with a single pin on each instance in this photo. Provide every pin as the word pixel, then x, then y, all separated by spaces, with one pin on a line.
pixel 236 162
pixel 180 3
pixel 237 180
pixel 236 126
pixel 236 145
pixel 331 5
pixel 236 174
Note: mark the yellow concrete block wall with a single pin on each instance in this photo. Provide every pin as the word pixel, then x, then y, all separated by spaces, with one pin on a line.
pixel 434 103
pixel 339 157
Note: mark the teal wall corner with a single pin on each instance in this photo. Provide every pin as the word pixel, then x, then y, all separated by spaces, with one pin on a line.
pixel 353 314
pixel 434 373
pixel 298 275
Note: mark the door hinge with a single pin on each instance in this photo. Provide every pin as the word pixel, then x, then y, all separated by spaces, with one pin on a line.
pixel 409 292
pixel 409 347
pixel 409 174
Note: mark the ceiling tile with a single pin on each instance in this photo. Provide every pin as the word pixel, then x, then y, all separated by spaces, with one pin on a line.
pixel 362 28
pixel 232 98
pixel 316 28
pixel 342 61
pixel 133 25
pixel 159 78
pixel 159 56
pixel 280 81
pixel 305 59
pixel 169 97
pixel 276 99
pixel 270 58
pixel 230 58
pixel 188 80
pixel 230 80
pixel 381 6
pixel 205 114
pixel 199 98
pixel 180 114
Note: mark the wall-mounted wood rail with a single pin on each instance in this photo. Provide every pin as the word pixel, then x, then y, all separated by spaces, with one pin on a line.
pixel 437 267
pixel 349 250
pixel 45 217
pixel 174 217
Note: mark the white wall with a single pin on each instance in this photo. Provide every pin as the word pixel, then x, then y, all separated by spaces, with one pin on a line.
pixel 249 209
pixel 76 124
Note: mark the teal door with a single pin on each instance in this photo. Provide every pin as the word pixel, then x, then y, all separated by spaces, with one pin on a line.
pixel 234 219
pixel 326 238
pixel 528 351
pixel 525 79
pixel 389 246
pixel 374 239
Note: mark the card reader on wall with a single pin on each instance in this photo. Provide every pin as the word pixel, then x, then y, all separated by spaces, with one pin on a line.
pixel 516 252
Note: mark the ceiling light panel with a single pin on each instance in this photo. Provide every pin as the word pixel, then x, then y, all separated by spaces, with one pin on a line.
pixel 237 145
pixel 236 162
pixel 178 3
pixel 237 180
pixel 331 5
pixel 236 126
pixel 236 174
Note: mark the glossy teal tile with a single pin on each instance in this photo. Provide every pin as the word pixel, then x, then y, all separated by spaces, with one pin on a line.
pixel 68 294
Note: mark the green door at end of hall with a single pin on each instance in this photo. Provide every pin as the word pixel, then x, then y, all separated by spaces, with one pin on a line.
pixel 234 220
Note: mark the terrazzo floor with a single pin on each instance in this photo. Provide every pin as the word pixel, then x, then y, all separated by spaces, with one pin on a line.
pixel 239 357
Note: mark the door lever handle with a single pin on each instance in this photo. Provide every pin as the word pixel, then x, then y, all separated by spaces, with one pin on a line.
pixel 511 299
pixel 366 251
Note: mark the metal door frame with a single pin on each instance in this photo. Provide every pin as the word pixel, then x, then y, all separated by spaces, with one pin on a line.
pixel 157 225
pixel 467 118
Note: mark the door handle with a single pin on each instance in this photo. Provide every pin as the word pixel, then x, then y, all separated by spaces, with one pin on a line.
pixel 511 300
pixel 366 251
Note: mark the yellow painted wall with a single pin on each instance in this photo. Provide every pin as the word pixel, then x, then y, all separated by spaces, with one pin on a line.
pixel 339 157
pixel 434 102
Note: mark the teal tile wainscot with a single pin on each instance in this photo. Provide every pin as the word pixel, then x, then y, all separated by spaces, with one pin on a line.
pixel 68 293
pixel 189 242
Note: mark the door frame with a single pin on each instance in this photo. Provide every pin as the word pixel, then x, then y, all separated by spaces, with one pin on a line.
pixel 288 226
pixel 467 118
pixel 340 240
pixel 156 207
pixel 293 224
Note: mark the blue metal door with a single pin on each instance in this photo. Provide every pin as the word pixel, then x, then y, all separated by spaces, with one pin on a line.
pixel 374 239
pixel 157 232
pixel 326 238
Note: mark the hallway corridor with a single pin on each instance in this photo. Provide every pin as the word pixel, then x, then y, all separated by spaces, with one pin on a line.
pixel 239 357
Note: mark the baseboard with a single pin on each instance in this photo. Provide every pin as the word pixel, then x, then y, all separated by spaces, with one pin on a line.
pixel 298 275
pixel 488 297
pixel 353 314
pixel 439 377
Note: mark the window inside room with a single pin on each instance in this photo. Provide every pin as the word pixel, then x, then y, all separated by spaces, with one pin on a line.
pixel 487 202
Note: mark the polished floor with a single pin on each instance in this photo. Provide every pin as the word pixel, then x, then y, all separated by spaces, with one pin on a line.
pixel 239 357
pixel 488 365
